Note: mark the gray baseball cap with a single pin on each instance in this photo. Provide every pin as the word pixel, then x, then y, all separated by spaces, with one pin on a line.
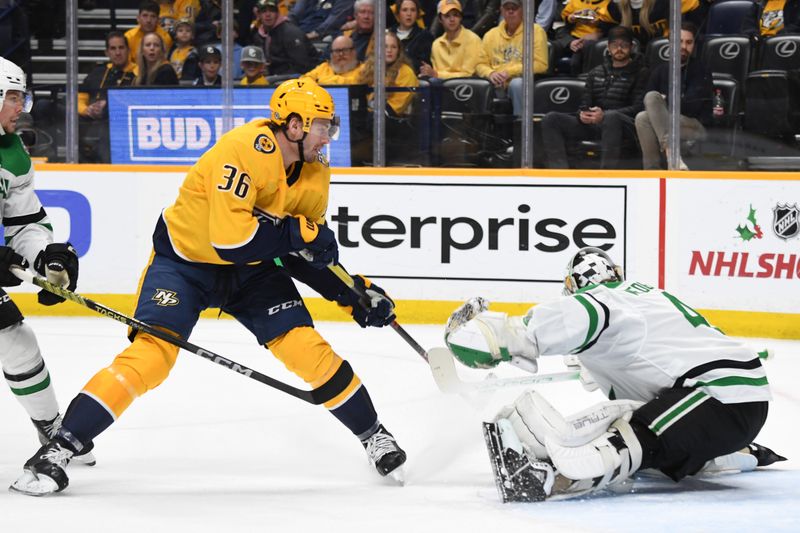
pixel 254 54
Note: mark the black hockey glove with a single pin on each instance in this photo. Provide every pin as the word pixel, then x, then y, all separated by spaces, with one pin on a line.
pixel 59 264
pixel 378 312
pixel 316 243
pixel 9 258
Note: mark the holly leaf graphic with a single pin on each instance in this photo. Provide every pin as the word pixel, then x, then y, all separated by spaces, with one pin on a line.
pixel 752 216
pixel 759 233
pixel 745 233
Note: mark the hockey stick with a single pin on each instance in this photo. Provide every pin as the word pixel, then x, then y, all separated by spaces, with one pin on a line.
pixel 365 301
pixel 315 396
pixel 444 373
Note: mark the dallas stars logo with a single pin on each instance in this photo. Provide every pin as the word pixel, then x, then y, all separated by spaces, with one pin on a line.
pixel 752 230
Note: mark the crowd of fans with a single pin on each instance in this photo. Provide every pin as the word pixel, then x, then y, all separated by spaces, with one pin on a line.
pixel 177 42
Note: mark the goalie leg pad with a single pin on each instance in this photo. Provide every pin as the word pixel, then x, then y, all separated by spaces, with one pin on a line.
pixel 535 419
pixel 607 460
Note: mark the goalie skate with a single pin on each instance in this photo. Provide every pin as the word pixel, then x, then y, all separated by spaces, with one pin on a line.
pixel 517 478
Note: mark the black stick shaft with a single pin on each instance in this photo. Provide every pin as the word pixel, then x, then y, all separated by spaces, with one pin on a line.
pixel 347 279
pixel 308 396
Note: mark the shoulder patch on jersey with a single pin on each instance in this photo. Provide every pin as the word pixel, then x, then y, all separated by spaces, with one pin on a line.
pixel 264 144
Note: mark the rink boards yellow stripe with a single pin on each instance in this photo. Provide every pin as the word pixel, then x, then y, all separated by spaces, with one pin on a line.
pixel 499 173
pixel 736 323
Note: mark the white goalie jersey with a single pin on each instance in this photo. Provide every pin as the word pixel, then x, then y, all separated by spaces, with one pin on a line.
pixel 27 228
pixel 637 340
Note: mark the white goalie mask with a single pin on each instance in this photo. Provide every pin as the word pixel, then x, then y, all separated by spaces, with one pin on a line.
pixel 12 78
pixel 590 266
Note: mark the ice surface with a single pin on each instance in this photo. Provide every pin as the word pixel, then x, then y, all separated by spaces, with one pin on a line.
pixel 213 451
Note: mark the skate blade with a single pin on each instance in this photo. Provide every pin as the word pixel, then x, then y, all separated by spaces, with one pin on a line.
pixel 396 477
pixel 30 485
pixel 87 459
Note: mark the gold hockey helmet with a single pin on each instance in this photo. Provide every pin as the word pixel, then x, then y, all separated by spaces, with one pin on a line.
pixel 303 97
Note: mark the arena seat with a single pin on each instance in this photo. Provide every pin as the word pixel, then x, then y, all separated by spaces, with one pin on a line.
pixel 728 54
pixel 781 52
pixel 728 17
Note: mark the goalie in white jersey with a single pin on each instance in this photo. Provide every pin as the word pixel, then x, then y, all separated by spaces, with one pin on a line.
pixel 682 393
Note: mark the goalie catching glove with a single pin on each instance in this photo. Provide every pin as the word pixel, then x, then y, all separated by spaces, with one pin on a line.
pixel 480 338
pixel 9 258
pixel 377 312
pixel 315 242
pixel 58 262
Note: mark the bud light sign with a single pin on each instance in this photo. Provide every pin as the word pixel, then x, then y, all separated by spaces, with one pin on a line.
pixel 176 126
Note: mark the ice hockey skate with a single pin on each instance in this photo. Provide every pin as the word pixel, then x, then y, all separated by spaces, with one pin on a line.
pixel 385 455
pixel 47 430
pixel 45 472
pixel 518 479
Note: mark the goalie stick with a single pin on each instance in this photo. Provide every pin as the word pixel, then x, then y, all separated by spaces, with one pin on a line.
pixel 347 279
pixel 444 373
pixel 316 396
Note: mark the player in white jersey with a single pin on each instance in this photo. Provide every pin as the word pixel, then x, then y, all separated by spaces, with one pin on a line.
pixel 681 393
pixel 28 240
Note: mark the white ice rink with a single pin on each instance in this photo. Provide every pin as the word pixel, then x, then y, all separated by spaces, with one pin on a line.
pixel 213 451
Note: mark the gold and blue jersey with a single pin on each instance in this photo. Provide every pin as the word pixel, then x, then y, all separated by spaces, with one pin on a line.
pixel 231 202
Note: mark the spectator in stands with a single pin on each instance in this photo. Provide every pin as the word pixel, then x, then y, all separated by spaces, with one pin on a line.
pixel 154 69
pixel 286 47
pixel 546 12
pixel 147 20
pixel 210 63
pixel 779 17
pixel 469 17
pixel 171 11
pixel 93 98
pixel 584 23
pixel 343 67
pixel 361 32
pixel 649 19
pixel 183 56
pixel 697 89
pixel 398 74
pixel 416 41
pixel 458 52
pixel 393 15
pixel 540 66
pixel 481 16
pixel 253 65
pixel 320 18
pixel 503 47
pixel 207 22
pixel 237 50
pixel 612 99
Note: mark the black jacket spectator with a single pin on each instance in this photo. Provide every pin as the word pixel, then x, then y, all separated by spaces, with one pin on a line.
pixel 417 47
pixel 697 89
pixel 324 17
pixel 205 31
pixel 102 77
pixel 620 89
pixel 165 75
pixel 286 48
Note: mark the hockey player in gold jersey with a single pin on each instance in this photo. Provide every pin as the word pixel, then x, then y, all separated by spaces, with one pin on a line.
pixel 233 239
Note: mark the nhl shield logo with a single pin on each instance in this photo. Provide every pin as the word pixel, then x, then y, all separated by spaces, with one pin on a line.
pixel 785 221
